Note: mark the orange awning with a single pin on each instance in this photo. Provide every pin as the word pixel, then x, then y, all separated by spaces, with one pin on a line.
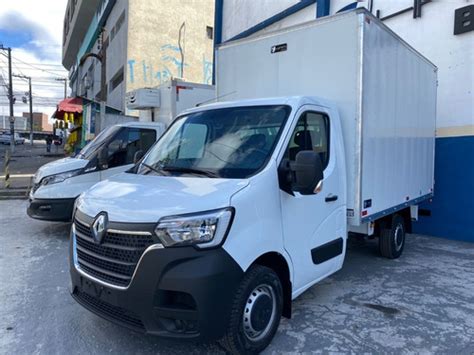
pixel 70 105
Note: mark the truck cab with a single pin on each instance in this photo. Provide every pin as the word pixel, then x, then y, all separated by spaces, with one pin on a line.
pixel 238 203
pixel 57 184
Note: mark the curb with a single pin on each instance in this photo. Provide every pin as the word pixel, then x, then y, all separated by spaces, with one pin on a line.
pixel 18 193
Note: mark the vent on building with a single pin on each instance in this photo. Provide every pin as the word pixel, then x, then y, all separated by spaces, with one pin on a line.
pixel 116 80
pixel 210 32
pixel 464 19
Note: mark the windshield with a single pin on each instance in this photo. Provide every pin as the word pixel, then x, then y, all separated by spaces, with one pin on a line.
pixel 94 145
pixel 231 143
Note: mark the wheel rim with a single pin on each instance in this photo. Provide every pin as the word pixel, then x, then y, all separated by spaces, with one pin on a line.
pixel 259 312
pixel 398 237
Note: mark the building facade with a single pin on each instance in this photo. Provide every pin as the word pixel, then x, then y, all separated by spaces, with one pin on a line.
pixel 143 44
pixel 443 31
pixel 40 122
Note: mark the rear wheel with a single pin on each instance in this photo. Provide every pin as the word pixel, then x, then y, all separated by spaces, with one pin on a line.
pixel 256 312
pixel 392 237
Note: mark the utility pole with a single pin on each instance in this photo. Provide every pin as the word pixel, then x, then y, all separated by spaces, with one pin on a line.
pixel 31 111
pixel 30 99
pixel 10 97
pixel 65 85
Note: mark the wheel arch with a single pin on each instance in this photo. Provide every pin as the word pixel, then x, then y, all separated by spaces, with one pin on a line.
pixel 278 263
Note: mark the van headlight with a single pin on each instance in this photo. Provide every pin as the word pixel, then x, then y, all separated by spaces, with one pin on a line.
pixel 204 230
pixel 54 179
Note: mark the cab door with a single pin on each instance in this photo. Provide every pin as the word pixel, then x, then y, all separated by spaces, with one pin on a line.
pixel 314 227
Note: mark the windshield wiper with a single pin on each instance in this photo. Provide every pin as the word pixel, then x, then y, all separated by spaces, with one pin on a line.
pixel 152 168
pixel 180 169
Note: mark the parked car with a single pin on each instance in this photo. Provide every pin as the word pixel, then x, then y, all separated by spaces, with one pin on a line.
pixel 58 183
pixel 5 138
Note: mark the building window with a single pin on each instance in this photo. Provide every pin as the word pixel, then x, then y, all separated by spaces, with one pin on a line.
pixel 116 80
pixel 118 26
pixel 210 32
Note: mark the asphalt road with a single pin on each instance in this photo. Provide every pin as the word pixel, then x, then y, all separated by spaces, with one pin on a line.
pixel 420 303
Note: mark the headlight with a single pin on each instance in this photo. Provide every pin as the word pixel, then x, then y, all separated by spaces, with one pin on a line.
pixel 205 230
pixel 54 179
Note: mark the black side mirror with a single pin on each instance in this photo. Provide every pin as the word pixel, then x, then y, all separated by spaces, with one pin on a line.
pixel 308 170
pixel 285 176
pixel 102 158
pixel 137 156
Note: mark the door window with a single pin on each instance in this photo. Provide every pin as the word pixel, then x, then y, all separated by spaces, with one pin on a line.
pixel 311 133
pixel 127 142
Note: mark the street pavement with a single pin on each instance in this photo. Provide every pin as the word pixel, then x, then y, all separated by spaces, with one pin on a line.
pixel 25 161
pixel 419 303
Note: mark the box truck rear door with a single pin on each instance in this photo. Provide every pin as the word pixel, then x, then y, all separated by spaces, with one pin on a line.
pixel 311 223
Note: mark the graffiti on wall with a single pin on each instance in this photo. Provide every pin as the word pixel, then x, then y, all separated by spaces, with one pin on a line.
pixel 152 72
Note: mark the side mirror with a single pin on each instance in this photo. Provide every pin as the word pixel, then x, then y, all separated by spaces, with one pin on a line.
pixel 308 170
pixel 102 158
pixel 137 156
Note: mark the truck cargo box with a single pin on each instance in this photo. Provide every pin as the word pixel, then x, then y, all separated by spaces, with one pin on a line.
pixel 385 92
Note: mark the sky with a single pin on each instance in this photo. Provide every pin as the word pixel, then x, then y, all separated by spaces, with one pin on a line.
pixel 33 29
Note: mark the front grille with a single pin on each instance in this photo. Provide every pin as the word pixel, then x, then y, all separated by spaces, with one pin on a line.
pixel 113 260
pixel 117 313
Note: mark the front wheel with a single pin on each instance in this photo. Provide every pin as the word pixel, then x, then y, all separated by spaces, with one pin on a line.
pixel 256 312
pixel 392 238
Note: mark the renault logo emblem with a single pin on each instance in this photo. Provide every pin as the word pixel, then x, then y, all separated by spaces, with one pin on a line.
pixel 99 227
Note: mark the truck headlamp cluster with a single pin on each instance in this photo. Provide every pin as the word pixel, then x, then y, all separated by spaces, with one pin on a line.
pixel 54 179
pixel 204 230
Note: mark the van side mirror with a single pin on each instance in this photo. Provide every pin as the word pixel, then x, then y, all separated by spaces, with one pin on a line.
pixel 308 170
pixel 102 158
pixel 137 156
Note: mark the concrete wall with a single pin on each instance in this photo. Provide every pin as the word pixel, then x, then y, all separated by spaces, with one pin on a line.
pixel 239 15
pixel 450 212
pixel 153 54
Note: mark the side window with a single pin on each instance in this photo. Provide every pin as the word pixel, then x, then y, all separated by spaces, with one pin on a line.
pixel 139 139
pixel 128 141
pixel 311 133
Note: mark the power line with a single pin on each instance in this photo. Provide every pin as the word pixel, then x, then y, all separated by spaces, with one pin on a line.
pixel 36 67
pixel 24 67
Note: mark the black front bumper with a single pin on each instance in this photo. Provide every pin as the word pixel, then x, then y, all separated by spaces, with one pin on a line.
pixel 175 292
pixel 51 209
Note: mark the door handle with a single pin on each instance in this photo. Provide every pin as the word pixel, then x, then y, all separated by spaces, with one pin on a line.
pixel 331 198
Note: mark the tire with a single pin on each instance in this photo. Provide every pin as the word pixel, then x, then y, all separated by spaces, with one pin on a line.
pixel 392 238
pixel 256 312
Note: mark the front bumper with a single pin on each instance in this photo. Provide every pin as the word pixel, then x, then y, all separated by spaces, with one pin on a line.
pixel 175 292
pixel 59 209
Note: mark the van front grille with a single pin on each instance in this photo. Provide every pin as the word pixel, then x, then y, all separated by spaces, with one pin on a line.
pixel 115 259
pixel 108 310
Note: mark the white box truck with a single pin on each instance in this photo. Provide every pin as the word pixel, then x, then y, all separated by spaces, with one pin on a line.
pixel 244 205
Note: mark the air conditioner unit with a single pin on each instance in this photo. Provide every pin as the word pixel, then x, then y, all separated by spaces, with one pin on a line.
pixel 143 99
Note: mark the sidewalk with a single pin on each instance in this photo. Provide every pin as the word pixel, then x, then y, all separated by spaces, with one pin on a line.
pixel 23 165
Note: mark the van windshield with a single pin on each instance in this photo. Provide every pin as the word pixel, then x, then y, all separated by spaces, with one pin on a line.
pixel 90 149
pixel 233 142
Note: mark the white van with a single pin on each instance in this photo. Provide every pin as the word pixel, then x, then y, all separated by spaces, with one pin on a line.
pixel 114 150
pixel 242 206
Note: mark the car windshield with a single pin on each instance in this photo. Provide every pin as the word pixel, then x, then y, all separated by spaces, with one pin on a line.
pixel 233 142
pixel 90 149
